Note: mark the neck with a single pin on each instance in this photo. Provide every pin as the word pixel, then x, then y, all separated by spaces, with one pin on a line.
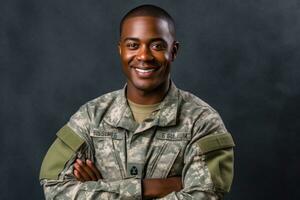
pixel 147 97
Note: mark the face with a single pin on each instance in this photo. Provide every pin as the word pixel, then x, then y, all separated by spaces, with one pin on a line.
pixel 147 49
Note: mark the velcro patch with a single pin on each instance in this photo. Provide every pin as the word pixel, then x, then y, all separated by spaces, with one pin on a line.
pixel 215 142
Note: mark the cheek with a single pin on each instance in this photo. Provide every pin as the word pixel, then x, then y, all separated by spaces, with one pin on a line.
pixel 126 55
pixel 163 57
pixel 167 59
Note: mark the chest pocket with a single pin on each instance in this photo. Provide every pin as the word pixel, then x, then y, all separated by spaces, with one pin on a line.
pixel 107 153
pixel 167 155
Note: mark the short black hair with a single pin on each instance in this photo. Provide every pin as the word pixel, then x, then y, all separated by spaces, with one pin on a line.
pixel 150 10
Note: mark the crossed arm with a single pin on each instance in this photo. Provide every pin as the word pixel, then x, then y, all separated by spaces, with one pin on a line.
pixel 207 172
pixel 152 188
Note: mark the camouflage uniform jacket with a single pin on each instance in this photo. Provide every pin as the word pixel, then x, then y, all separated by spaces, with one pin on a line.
pixel 185 137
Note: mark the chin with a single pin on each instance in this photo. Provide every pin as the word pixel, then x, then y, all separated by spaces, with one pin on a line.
pixel 146 86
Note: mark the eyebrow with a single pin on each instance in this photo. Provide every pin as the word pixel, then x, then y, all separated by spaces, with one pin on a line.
pixel 151 40
pixel 130 38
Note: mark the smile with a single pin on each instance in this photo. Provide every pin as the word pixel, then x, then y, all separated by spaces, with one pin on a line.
pixel 144 70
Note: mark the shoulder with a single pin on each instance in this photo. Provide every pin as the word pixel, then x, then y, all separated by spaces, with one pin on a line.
pixel 199 114
pixel 191 104
pixel 101 103
pixel 94 109
pixel 103 100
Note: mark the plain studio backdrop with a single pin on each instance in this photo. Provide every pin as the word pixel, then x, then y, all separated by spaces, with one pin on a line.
pixel 242 57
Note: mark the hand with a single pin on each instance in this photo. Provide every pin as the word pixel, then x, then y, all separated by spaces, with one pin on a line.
pixel 157 188
pixel 86 171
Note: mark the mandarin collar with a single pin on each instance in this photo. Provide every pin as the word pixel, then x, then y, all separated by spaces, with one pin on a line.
pixel 119 114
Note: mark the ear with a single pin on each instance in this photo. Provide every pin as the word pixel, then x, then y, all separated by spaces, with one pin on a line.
pixel 119 47
pixel 174 50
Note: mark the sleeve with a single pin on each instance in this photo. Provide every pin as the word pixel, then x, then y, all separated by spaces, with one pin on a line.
pixel 56 175
pixel 208 162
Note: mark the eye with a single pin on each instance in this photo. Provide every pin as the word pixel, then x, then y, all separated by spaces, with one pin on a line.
pixel 132 45
pixel 158 46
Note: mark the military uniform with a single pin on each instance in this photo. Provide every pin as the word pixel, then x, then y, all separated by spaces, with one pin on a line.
pixel 184 137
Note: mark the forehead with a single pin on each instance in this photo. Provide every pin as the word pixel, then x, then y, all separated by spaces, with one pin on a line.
pixel 145 27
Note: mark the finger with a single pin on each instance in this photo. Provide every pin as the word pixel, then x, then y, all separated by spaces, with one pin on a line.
pixel 94 169
pixel 82 172
pixel 87 169
pixel 79 173
pixel 78 176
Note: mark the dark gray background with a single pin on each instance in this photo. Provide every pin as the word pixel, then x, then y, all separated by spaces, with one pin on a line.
pixel 241 57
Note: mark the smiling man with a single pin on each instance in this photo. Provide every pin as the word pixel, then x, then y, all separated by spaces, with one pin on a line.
pixel 149 140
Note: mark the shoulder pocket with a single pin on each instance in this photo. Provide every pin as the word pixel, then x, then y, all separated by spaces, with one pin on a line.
pixel 219 157
pixel 60 152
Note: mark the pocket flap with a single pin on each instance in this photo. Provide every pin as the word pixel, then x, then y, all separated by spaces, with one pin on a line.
pixel 70 138
pixel 214 142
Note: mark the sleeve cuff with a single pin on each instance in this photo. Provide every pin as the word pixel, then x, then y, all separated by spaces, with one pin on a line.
pixel 131 189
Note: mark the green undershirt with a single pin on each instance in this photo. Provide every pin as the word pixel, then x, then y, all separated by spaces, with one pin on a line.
pixel 141 112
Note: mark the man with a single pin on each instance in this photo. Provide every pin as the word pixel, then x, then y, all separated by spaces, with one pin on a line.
pixel 149 140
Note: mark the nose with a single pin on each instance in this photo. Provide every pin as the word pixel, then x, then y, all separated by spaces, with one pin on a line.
pixel 144 54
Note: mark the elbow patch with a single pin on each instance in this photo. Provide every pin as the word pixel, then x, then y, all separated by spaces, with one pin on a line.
pixel 219 157
pixel 60 152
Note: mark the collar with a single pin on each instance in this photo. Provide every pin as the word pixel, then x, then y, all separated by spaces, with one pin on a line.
pixel 119 113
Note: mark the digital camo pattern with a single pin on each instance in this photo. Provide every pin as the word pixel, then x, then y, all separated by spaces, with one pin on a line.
pixel 164 145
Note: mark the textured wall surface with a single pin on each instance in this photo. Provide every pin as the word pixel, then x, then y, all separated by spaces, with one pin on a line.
pixel 242 57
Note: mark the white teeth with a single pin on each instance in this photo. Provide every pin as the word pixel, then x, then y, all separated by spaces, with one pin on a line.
pixel 144 70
